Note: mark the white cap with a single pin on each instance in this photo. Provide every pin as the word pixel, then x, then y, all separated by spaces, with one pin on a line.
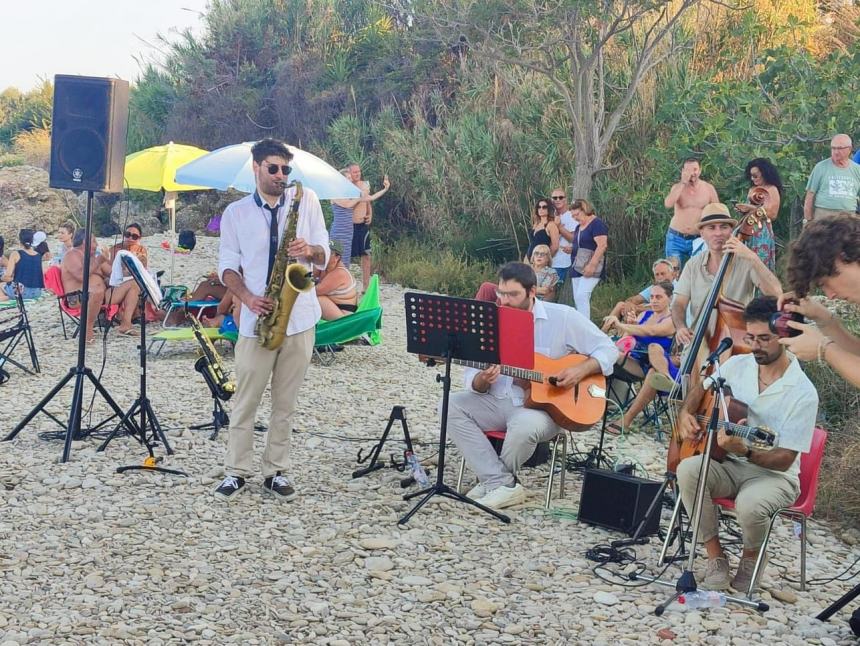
pixel 39 237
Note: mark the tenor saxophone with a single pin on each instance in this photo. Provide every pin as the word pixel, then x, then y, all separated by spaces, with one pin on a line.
pixel 289 278
pixel 209 364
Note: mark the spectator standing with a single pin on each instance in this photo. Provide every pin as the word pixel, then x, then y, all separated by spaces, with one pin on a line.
pixel 566 228
pixel 589 255
pixel 544 230
pixel 760 173
pixel 834 184
pixel 687 198
pixel 362 216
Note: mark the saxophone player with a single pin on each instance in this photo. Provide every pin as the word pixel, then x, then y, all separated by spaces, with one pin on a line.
pixel 251 229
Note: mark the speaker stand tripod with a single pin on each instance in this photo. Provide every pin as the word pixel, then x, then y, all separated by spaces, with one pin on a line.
pixel 79 373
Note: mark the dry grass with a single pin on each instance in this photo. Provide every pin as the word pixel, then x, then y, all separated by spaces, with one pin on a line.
pixel 839 414
pixel 34 146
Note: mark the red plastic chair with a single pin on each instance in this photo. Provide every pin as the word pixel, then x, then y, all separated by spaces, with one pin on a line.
pixel 54 282
pixel 810 467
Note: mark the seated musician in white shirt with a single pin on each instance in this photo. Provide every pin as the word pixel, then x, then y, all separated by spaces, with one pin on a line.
pixel 780 397
pixel 493 401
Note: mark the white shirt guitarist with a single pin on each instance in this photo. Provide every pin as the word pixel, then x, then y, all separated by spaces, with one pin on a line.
pixel 495 401
pixel 779 397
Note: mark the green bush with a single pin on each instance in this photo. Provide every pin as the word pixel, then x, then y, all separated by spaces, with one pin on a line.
pixel 10 159
pixel 419 265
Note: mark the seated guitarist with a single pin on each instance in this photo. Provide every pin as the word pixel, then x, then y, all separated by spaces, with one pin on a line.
pixel 780 397
pixel 494 401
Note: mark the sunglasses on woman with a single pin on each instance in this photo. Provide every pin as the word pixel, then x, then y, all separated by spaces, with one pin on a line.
pixel 131 236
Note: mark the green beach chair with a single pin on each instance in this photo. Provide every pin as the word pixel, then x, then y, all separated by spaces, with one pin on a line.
pixel 365 321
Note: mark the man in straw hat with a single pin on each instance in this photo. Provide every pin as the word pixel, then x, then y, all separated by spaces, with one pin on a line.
pixel 746 272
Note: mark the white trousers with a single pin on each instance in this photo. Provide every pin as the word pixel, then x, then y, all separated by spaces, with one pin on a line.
pixel 582 288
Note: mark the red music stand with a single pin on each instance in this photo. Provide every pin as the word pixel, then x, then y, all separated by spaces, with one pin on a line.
pixel 451 328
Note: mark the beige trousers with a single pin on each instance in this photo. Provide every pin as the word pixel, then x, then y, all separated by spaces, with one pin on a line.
pixel 758 493
pixel 254 365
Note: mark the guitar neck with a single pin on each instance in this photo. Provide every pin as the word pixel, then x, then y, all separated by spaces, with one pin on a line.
pixel 738 430
pixel 510 371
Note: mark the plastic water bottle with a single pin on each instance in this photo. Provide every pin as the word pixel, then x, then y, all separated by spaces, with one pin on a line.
pixel 416 469
pixel 702 599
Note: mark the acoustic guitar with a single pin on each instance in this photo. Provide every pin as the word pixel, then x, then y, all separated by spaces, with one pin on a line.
pixel 757 437
pixel 575 408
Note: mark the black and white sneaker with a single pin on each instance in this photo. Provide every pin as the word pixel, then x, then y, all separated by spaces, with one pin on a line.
pixel 230 488
pixel 279 487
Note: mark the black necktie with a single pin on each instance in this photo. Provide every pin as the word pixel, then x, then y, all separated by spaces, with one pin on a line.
pixel 273 237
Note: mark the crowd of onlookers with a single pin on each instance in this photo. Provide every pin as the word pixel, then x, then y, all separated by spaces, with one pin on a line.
pixel 568 246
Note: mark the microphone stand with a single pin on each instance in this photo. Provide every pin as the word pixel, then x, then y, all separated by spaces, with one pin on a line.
pixel 686 582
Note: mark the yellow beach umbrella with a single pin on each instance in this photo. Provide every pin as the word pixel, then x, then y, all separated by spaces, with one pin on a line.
pixel 153 169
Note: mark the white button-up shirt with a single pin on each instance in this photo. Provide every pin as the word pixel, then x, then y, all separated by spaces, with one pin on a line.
pixel 559 331
pixel 245 243
pixel 788 406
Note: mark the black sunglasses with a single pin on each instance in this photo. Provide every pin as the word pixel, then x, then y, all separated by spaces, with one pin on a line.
pixel 558 197
pixel 273 169
pixel 543 206
pixel 129 234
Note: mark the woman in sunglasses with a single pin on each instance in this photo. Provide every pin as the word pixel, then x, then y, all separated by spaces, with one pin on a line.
pixel 543 230
pixel 131 241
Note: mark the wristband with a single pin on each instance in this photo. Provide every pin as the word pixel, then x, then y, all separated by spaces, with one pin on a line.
pixel 822 348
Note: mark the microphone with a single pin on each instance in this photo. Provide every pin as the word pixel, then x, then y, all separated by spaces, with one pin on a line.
pixel 725 344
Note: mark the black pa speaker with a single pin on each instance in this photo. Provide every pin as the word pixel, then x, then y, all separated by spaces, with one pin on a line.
pixel 88 133
pixel 618 501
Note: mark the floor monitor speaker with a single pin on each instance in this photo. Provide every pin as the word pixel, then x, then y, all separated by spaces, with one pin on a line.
pixel 617 501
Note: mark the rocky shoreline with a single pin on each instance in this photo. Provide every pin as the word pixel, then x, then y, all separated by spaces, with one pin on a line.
pixel 91 556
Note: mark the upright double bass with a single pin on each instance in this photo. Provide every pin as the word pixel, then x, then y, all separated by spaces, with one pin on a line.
pixel 724 317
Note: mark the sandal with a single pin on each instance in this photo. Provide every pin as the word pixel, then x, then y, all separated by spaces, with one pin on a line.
pixel 660 382
pixel 614 428
pixel 129 332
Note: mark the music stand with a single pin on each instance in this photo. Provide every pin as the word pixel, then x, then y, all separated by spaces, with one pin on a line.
pixel 142 406
pixel 80 371
pixel 451 328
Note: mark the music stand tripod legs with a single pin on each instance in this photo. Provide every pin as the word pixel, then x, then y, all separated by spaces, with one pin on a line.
pixel 686 583
pixel 148 430
pixel 440 488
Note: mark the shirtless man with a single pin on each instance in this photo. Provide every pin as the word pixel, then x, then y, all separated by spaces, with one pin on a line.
pixel 362 215
pixel 688 197
pixel 100 268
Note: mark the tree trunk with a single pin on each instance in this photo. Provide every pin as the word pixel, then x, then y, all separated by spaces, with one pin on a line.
pixel 583 176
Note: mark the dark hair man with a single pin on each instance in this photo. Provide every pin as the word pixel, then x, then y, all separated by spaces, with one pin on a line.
pixel 780 397
pixel 826 255
pixel 251 229
pixel 494 401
